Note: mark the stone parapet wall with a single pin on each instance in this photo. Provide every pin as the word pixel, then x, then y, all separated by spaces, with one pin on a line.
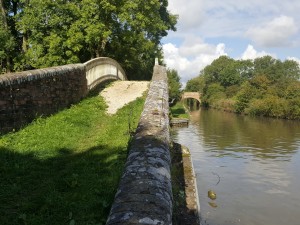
pixel 99 69
pixel 29 94
pixel 144 195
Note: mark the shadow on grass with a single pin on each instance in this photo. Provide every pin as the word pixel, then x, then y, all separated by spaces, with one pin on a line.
pixel 176 112
pixel 72 187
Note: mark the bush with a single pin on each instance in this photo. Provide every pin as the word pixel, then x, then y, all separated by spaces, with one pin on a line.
pixel 244 96
pixel 294 109
pixel 272 106
pixel 213 93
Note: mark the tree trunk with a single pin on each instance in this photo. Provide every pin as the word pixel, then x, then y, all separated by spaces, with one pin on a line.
pixel 25 42
pixel 4 21
pixel 25 33
pixel 3 14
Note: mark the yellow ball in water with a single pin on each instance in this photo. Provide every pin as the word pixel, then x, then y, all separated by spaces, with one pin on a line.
pixel 212 195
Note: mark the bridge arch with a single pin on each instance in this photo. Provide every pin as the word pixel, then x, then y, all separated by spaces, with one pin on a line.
pixel 102 69
pixel 194 95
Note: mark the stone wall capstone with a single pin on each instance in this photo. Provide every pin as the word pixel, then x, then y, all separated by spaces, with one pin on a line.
pixel 144 195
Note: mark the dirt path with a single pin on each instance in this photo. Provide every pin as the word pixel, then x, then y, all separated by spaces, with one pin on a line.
pixel 121 93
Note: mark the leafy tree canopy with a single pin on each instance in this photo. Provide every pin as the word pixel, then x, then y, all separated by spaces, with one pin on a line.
pixel 174 84
pixel 264 86
pixel 49 33
pixel 195 85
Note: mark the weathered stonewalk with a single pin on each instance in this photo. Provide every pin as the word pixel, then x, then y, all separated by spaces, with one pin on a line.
pixel 144 195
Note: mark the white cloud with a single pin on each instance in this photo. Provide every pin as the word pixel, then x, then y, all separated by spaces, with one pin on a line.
pixel 205 23
pixel 190 12
pixel 275 33
pixel 295 59
pixel 228 17
pixel 193 46
pixel 251 53
pixel 188 61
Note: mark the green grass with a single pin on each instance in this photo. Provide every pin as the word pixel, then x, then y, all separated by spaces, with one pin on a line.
pixel 65 169
pixel 178 111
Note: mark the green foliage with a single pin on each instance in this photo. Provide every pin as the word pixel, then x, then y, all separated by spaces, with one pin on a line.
pixel 223 70
pixel 7 44
pixel 274 69
pixel 174 84
pixel 213 92
pixel 243 97
pixel 49 33
pixel 270 105
pixel 178 111
pixel 263 87
pixel 65 169
pixel 7 41
pixel 196 84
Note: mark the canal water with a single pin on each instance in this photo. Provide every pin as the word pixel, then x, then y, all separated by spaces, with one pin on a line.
pixel 251 164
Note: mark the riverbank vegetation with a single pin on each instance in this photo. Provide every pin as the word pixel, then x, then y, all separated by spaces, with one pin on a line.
pixel 36 34
pixel 261 87
pixel 65 169
pixel 174 85
pixel 178 111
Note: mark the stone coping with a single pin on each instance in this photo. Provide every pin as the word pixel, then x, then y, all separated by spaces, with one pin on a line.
pixel 30 75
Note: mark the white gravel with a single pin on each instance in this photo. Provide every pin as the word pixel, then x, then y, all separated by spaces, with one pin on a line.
pixel 121 93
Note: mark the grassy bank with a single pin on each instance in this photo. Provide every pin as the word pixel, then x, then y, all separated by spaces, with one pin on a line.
pixel 65 169
pixel 178 111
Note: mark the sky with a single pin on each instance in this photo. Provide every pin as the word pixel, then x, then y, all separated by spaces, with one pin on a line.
pixel 244 29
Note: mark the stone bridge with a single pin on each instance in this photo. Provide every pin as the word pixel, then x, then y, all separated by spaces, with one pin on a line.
pixel 27 95
pixel 101 69
pixel 194 95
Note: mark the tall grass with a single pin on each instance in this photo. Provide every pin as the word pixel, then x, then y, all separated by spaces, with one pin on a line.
pixel 65 169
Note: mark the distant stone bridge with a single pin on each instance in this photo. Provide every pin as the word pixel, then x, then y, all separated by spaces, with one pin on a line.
pixel 194 95
pixel 27 95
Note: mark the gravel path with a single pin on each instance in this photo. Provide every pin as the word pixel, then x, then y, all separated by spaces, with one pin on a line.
pixel 121 93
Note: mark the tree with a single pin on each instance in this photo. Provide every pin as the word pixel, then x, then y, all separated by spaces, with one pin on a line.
pixel 195 84
pixel 7 41
pixel 268 66
pixel 245 69
pixel 49 33
pixel 223 70
pixel 291 69
pixel 212 93
pixel 136 41
pixel 174 85
pixel 7 45
pixel 264 86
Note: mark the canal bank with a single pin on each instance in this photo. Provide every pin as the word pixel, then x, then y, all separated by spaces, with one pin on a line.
pixel 184 184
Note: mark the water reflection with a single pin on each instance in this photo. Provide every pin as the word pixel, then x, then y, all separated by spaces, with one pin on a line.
pixel 262 137
pixel 257 161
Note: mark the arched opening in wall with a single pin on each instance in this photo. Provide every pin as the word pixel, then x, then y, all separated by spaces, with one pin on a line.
pixel 101 84
pixel 192 104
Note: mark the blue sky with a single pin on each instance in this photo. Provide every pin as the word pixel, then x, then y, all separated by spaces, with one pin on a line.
pixel 243 29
